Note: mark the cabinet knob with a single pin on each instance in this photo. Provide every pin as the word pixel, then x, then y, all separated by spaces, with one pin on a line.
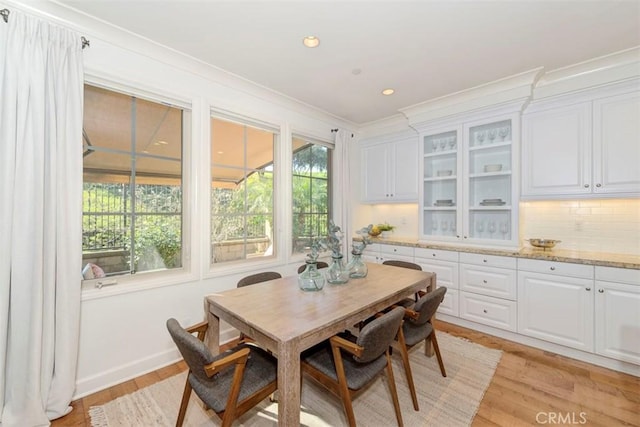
pixel 586 186
pixel 484 311
pixel 433 254
pixel 601 291
pixel 598 185
pixel 587 289
pixel 484 260
pixel 484 281
pixel 553 268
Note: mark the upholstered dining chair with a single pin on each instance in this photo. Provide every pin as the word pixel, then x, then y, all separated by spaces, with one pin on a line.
pixel 252 280
pixel 403 264
pixel 230 383
pixel 418 324
pixel 257 278
pixel 319 264
pixel 344 367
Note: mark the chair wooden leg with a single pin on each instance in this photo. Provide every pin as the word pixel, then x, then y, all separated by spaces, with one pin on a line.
pixel 407 369
pixel 394 392
pixel 342 385
pixel 184 403
pixel 434 340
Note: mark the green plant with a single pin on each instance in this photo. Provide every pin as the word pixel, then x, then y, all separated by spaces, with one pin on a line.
pixel 386 227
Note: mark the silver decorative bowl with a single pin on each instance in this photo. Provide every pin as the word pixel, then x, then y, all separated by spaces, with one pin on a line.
pixel 543 243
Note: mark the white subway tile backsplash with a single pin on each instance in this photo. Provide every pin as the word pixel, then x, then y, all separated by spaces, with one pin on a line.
pixel 600 225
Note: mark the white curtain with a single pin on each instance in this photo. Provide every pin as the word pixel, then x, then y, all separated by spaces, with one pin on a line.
pixel 342 187
pixel 41 96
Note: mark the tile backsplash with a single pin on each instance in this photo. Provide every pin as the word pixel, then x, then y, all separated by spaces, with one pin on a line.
pixel 602 225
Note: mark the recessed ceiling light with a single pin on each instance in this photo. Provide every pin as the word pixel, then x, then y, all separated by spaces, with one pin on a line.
pixel 311 41
pixel 161 143
pixel 388 92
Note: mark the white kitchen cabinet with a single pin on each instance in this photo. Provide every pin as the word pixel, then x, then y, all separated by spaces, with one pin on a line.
pixel 390 171
pixel 468 192
pixel 556 302
pixel 445 265
pixel 488 290
pixel 617 313
pixel 586 145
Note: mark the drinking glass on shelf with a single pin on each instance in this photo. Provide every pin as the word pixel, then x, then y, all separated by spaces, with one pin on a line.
pixel 480 136
pixel 452 227
pixel 491 228
pixel 434 142
pixel 480 227
pixel 452 142
pixel 504 229
pixel 443 144
pixel 444 226
pixel 503 132
pixel 434 225
pixel 492 134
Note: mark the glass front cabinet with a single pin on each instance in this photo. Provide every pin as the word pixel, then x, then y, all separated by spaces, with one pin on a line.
pixel 468 188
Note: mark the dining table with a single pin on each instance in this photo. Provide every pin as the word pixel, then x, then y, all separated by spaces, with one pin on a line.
pixel 286 320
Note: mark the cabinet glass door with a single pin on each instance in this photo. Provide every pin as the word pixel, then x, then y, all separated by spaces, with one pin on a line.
pixel 488 168
pixel 440 189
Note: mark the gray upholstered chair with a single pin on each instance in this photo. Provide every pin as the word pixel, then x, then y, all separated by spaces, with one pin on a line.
pixel 230 383
pixel 403 264
pixel 257 278
pixel 418 326
pixel 343 367
pixel 252 280
pixel 319 264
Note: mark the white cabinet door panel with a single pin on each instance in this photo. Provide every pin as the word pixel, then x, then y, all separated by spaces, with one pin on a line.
pixel 405 170
pixel 449 304
pixel 375 174
pixel 557 309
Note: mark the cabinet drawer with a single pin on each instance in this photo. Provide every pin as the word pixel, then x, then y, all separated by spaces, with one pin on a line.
pixel 446 272
pixel 449 304
pixel 553 267
pixel 435 254
pixel 388 251
pixel 372 249
pixel 488 260
pixel 495 282
pixel 620 275
pixel 490 311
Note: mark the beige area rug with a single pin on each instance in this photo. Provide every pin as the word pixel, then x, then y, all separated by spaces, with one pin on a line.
pixel 450 401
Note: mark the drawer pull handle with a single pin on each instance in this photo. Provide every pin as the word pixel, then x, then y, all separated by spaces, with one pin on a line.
pixel 553 268
pixel 601 291
pixel 433 254
pixel 484 281
pixel 587 289
pixel 484 260
pixel 484 311
pixel 586 186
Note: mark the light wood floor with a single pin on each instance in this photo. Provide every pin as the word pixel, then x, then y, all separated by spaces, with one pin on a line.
pixel 530 387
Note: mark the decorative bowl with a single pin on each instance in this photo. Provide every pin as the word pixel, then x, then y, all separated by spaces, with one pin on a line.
pixel 543 243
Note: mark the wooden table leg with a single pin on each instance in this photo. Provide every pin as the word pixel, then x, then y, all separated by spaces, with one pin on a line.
pixel 288 385
pixel 428 345
pixel 212 338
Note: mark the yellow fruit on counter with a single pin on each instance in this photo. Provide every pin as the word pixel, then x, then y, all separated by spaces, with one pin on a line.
pixel 375 231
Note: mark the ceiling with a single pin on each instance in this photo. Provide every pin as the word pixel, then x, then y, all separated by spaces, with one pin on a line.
pixel 422 49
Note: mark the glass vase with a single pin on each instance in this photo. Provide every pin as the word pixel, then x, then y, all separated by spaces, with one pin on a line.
pixel 336 273
pixel 311 279
pixel 357 268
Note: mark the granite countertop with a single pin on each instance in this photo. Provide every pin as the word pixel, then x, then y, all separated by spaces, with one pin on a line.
pixel 555 254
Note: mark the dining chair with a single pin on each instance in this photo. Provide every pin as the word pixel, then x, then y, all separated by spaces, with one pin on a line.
pixel 257 278
pixel 418 325
pixel 319 264
pixel 404 264
pixel 344 366
pixel 230 383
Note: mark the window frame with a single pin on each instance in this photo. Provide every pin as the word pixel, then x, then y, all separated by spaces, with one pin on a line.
pixel 128 282
pixel 216 269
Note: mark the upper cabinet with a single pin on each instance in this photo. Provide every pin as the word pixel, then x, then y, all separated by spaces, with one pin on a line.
pixel 468 193
pixel 390 169
pixel 586 144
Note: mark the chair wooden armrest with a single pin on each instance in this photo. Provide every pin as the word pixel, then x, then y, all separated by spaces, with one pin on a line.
pixel 411 313
pixel 346 345
pixel 200 328
pixel 237 357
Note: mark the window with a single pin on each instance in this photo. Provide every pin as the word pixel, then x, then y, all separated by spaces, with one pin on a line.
pixel 311 192
pixel 133 182
pixel 242 188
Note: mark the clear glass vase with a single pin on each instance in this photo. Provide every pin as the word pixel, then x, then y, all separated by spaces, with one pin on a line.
pixel 336 273
pixel 311 279
pixel 357 268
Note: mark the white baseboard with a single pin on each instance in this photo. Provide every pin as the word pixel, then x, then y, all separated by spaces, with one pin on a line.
pixel 595 359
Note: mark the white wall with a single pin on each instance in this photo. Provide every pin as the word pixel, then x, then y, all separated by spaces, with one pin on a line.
pixel 123 333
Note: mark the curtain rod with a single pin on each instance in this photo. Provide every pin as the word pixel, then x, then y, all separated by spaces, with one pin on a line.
pixel 336 130
pixel 5 15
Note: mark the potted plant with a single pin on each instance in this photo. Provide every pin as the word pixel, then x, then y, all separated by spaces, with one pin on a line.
pixel 385 229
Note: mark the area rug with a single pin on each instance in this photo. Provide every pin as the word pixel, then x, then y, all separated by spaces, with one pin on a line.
pixel 450 401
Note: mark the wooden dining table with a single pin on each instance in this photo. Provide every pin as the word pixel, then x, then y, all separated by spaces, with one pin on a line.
pixel 286 320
